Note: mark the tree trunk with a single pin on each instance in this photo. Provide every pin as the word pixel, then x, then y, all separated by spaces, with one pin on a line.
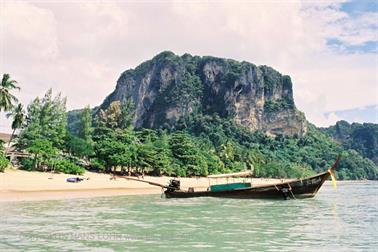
pixel 10 140
pixel 35 161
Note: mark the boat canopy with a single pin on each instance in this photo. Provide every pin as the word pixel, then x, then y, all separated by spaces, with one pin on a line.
pixel 232 175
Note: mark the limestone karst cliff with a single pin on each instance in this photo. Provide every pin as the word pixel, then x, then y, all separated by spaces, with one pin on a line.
pixel 169 87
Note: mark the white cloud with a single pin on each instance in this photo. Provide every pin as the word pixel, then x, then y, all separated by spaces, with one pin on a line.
pixel 80 48
pixel 29 30
pixel 360 30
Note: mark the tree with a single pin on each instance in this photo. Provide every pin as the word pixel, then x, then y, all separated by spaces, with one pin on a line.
pixel 2 147
pixel 85 125
pixel 46 119
pixel 146 156
pixel 18 115
pixel 78 146
pixel 4 162
pixel 186 152
pixel 116 148
pixel 118 115
pixel 110 117
pixel 227 151
pixel 163 158
pixel 43 152
pixel 82 144
pixel 147 135
pixel 7 100
pixel 44 132
pixel 127 114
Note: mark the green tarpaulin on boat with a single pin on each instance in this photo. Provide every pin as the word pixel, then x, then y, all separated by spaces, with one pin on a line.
pixel 231 186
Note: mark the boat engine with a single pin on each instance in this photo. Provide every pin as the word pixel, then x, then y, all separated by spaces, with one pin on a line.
pixel 174 185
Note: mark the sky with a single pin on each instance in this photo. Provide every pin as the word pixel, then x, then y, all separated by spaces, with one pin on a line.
pixel 80 48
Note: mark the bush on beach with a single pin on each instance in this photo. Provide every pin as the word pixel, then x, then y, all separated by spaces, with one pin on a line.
pixel 64 166
pixel 4 162
pixel 68 167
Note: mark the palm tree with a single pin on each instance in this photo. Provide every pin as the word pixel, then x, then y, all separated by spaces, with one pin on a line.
pixel 18 115
pixel 7 100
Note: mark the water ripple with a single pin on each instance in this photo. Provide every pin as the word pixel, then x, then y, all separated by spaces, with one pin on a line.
pixel 341 220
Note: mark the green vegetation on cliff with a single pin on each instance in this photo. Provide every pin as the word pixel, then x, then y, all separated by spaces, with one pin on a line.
pixel 201 145
pixel 282 155
pixel 198 145
pixel 362 138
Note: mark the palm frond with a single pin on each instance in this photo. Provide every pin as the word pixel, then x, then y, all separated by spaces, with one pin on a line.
pixel 7 100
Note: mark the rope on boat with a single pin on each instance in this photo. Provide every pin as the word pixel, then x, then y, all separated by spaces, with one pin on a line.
pixel 290 189
pixel 143 181
pixel 162 193
pixel 292 194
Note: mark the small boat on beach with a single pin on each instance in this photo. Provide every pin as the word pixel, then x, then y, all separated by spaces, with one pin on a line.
pixel 289 189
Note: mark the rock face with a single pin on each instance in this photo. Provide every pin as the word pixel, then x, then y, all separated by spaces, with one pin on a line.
pixel 170 87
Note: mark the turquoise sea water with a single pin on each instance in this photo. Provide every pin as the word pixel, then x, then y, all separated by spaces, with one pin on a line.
pixel 342 219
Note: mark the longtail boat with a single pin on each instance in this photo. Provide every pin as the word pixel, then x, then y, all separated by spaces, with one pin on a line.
pixel 289 189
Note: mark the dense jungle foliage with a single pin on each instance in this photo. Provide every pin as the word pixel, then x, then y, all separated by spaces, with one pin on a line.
pixel 199 145
pixel 360 137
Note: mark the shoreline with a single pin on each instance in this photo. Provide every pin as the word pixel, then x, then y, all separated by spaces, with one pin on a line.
pixel 19 185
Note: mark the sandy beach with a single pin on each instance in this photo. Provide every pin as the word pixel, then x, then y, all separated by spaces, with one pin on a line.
pixel 18 185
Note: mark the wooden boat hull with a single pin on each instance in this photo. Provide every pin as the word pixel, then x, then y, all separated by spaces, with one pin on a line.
pixel 293 189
